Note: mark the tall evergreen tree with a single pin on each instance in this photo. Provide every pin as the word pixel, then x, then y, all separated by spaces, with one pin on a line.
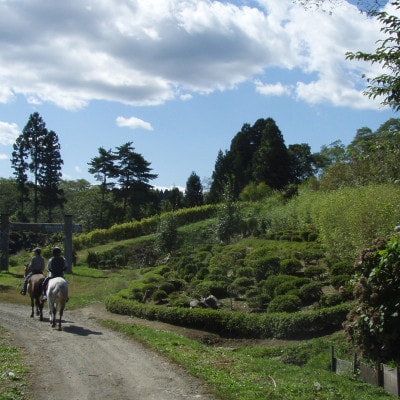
pixel 303 164
pixel 38 151
pixel 257 153
pixel 219 179
pixel 20 166
pixel 134 176
pixel 49 174
pixel 33 135
pixel 103 167
pixel 194 191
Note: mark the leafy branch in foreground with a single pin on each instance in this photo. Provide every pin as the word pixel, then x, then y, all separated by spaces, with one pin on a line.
pixel 386 85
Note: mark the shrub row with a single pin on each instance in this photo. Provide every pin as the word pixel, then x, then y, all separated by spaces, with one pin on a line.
pixel 237 324
pixel 144 227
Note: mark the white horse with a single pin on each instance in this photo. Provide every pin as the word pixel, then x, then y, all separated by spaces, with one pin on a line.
pixel 57 296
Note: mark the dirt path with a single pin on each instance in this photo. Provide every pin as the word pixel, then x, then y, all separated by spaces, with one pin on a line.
pixel 88 361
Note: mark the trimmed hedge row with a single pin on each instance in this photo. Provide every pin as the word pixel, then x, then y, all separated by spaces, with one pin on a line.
pixel 144 227
pixel 237 324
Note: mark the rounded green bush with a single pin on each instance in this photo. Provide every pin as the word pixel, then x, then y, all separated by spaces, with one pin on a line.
pixel 159 295
pixel 284 303
pixel 167 287
pixel 311 292
pixel 315 272
pixel 341 268
pixel 291 266
pixel 340 280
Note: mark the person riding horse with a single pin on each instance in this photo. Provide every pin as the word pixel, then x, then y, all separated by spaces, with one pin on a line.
pixel 36 266
pixel 56 266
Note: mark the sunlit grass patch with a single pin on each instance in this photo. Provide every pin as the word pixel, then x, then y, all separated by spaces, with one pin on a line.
pixel 12 371
pixel 296 372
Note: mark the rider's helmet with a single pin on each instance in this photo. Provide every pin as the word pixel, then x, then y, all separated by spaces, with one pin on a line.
pixel 56 251
pixel 37 250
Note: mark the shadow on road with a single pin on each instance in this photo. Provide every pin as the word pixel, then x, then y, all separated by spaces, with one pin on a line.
pixel 79 330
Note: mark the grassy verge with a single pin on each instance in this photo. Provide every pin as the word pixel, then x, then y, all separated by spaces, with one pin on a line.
pixel 13 373
pixel 296 372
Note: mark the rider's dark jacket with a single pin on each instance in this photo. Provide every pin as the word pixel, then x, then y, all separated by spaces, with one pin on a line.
pixel 56 266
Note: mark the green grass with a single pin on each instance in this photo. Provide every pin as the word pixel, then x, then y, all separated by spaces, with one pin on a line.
pixel 13 373
pixel 296 372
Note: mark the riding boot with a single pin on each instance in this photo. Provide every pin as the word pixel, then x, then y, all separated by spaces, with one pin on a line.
pixel 44 284
pixel 24 285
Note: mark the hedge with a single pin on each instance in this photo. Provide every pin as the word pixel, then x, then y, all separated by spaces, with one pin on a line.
pixel 236 324
pixel 146 226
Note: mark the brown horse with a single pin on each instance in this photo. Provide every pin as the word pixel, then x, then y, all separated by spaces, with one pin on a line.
pixel 35 292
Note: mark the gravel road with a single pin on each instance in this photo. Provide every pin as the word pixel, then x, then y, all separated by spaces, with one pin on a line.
pixel 88 361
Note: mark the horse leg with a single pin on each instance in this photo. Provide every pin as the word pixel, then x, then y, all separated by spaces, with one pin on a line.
pixel 33 307
pixel 54 315
pixel 39 307
pixel 61 314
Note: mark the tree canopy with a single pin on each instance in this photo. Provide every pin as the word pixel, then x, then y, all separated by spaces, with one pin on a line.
pixel 386 85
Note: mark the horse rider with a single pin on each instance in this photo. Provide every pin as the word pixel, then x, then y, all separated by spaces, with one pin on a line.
pixel 35 266
pixel 56 266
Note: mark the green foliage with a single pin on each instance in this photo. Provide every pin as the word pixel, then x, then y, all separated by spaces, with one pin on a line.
pixel 290 266
pixel 167 234
pixel 159 295
pixel 143 227
pixel 194 191
pixel 374 324
pixel 284 303
pixel 264 265
pixel 240 286
pixel 315 272
pixel 349 219
pixel 330 300
pixel 310 292
pixel 274 281
pixel 387 55
pixel 236 324
pixel 340 280
pixel 255 192
pixel 228 220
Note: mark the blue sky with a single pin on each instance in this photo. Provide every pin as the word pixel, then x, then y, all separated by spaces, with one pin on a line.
pixel 179 78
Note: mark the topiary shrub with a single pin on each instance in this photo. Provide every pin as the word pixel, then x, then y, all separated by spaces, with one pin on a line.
pixel 330 300
pixel 216 288
pixel 310 293
pixel 159 296
pixel 315 272
pixel 245 272
pixel 255 300
pixel 243 283
pixel 285 287
pixel 341 268
pixel 263 266
pixel 290 266
pixel 178 300
pixel 340 280
pixel 269 285
pixel 167 287
pixel 284 303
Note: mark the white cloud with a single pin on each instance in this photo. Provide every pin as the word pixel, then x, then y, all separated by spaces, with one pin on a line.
pixel 8 133
pixel 147 53
pixel 3 156
pixel 133 123
pixel 276 89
